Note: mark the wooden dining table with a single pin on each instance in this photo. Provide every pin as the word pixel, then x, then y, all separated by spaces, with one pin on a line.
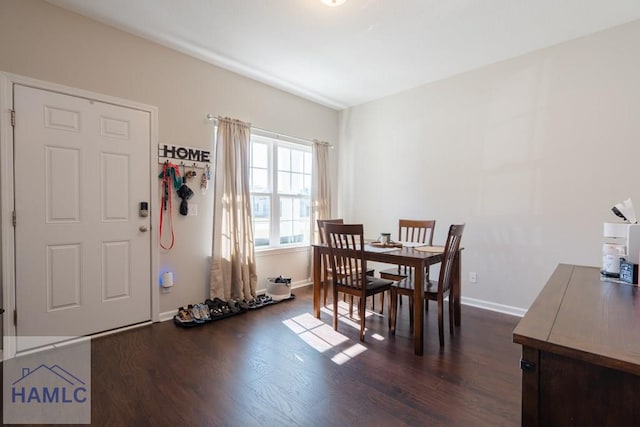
pixel 409 256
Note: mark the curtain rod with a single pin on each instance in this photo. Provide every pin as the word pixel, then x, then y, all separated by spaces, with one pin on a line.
pixel 277 135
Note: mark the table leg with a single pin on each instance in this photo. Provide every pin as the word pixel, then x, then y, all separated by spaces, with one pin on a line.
pixel 418 310
pixel 456 289
pixel 317 281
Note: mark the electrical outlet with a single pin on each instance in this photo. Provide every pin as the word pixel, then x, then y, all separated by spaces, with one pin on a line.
pixel 473 278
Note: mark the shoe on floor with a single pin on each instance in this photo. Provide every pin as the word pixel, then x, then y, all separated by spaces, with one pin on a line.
pixel 184 316
pixel 195 314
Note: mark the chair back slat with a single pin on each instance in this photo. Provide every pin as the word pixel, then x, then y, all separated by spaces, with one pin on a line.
pixel 323 240
pixel 419 231
pixel 451 247
pixel 321 229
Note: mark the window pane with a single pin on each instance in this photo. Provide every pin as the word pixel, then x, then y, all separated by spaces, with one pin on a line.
pixel 286 232
pixel 298 211
pixel 261 206
pixel 286 209
pixel 284 159
pixel 304 209
pixel 259 180
pixel 261 232
pixel 301 231
pixel 259 155
pixel 307 185
pixel 297 183
pixel 284 182
pixel 261 210
pixel 308 166
pixel 297 161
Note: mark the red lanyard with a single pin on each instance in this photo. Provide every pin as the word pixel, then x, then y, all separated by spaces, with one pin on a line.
pixel 166 188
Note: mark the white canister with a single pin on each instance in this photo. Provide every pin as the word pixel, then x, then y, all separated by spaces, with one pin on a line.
pixel 167 279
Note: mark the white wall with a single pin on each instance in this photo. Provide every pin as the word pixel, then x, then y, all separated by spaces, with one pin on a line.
pixel 42 41
pixel 530 153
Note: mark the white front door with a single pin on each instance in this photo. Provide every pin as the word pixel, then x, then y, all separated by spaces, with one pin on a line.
pixel 82 251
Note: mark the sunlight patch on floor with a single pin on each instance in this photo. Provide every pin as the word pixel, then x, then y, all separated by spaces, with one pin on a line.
pixel 314 332
pixel 377 337
pixel 324 339
pixel 348 354
pixel 343 316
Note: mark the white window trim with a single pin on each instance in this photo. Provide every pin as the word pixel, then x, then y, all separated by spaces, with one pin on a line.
pixel 274 139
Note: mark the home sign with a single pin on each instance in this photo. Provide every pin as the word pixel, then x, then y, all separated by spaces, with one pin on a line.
pixel 182 155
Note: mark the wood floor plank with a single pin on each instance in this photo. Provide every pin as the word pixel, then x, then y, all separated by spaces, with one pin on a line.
pixel 279 366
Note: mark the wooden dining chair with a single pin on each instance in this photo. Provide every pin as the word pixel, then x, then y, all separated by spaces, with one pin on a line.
pixel 414 231
pixel 348 262
pixel 327 267
pixel 433 290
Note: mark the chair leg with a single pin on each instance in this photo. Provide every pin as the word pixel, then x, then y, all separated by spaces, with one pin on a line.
pixel 381 302
pixel 393 310
pixel 335 308
pixel 410 312
pixel 351 306
pixel 440 322
pixel 362 312
pixel 325 286
pixel 451 329
pixel 426 301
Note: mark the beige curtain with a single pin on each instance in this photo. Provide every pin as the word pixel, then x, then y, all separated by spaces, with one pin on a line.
pixel 321 186
pixel 233 270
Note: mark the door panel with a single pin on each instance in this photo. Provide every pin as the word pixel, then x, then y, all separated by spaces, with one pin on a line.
pixel 63 276
pixel 115 270
pixel 81 169
pixel 115 187
pixel 62 172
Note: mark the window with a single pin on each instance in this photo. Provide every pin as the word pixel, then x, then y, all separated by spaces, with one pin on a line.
pixel 280 192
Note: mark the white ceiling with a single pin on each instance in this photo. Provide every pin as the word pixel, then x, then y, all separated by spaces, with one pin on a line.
pixel 362 50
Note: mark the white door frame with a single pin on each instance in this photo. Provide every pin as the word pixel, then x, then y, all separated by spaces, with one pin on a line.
pixel 7 203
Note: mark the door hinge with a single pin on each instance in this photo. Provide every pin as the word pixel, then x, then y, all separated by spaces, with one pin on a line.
pixel 13 118
pixel 525 365
pixel 15 317
pixel 13 218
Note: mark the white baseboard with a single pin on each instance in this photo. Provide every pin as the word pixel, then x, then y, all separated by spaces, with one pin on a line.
pixel 486 305
pixel 168 315
pixel 500 308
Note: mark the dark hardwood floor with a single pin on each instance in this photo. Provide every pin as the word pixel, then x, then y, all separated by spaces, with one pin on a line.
pixel 278 366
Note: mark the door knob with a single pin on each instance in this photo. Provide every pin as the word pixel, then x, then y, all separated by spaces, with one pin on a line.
pixel 143 228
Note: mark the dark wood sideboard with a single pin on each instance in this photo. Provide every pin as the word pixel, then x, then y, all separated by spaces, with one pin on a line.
pixel 581 352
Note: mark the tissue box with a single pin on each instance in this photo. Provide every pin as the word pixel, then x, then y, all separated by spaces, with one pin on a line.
pixel 628 272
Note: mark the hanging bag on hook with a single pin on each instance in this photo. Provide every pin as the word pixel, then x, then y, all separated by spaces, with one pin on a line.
pixel 166 200
pixel 185 193
pixel 184 208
